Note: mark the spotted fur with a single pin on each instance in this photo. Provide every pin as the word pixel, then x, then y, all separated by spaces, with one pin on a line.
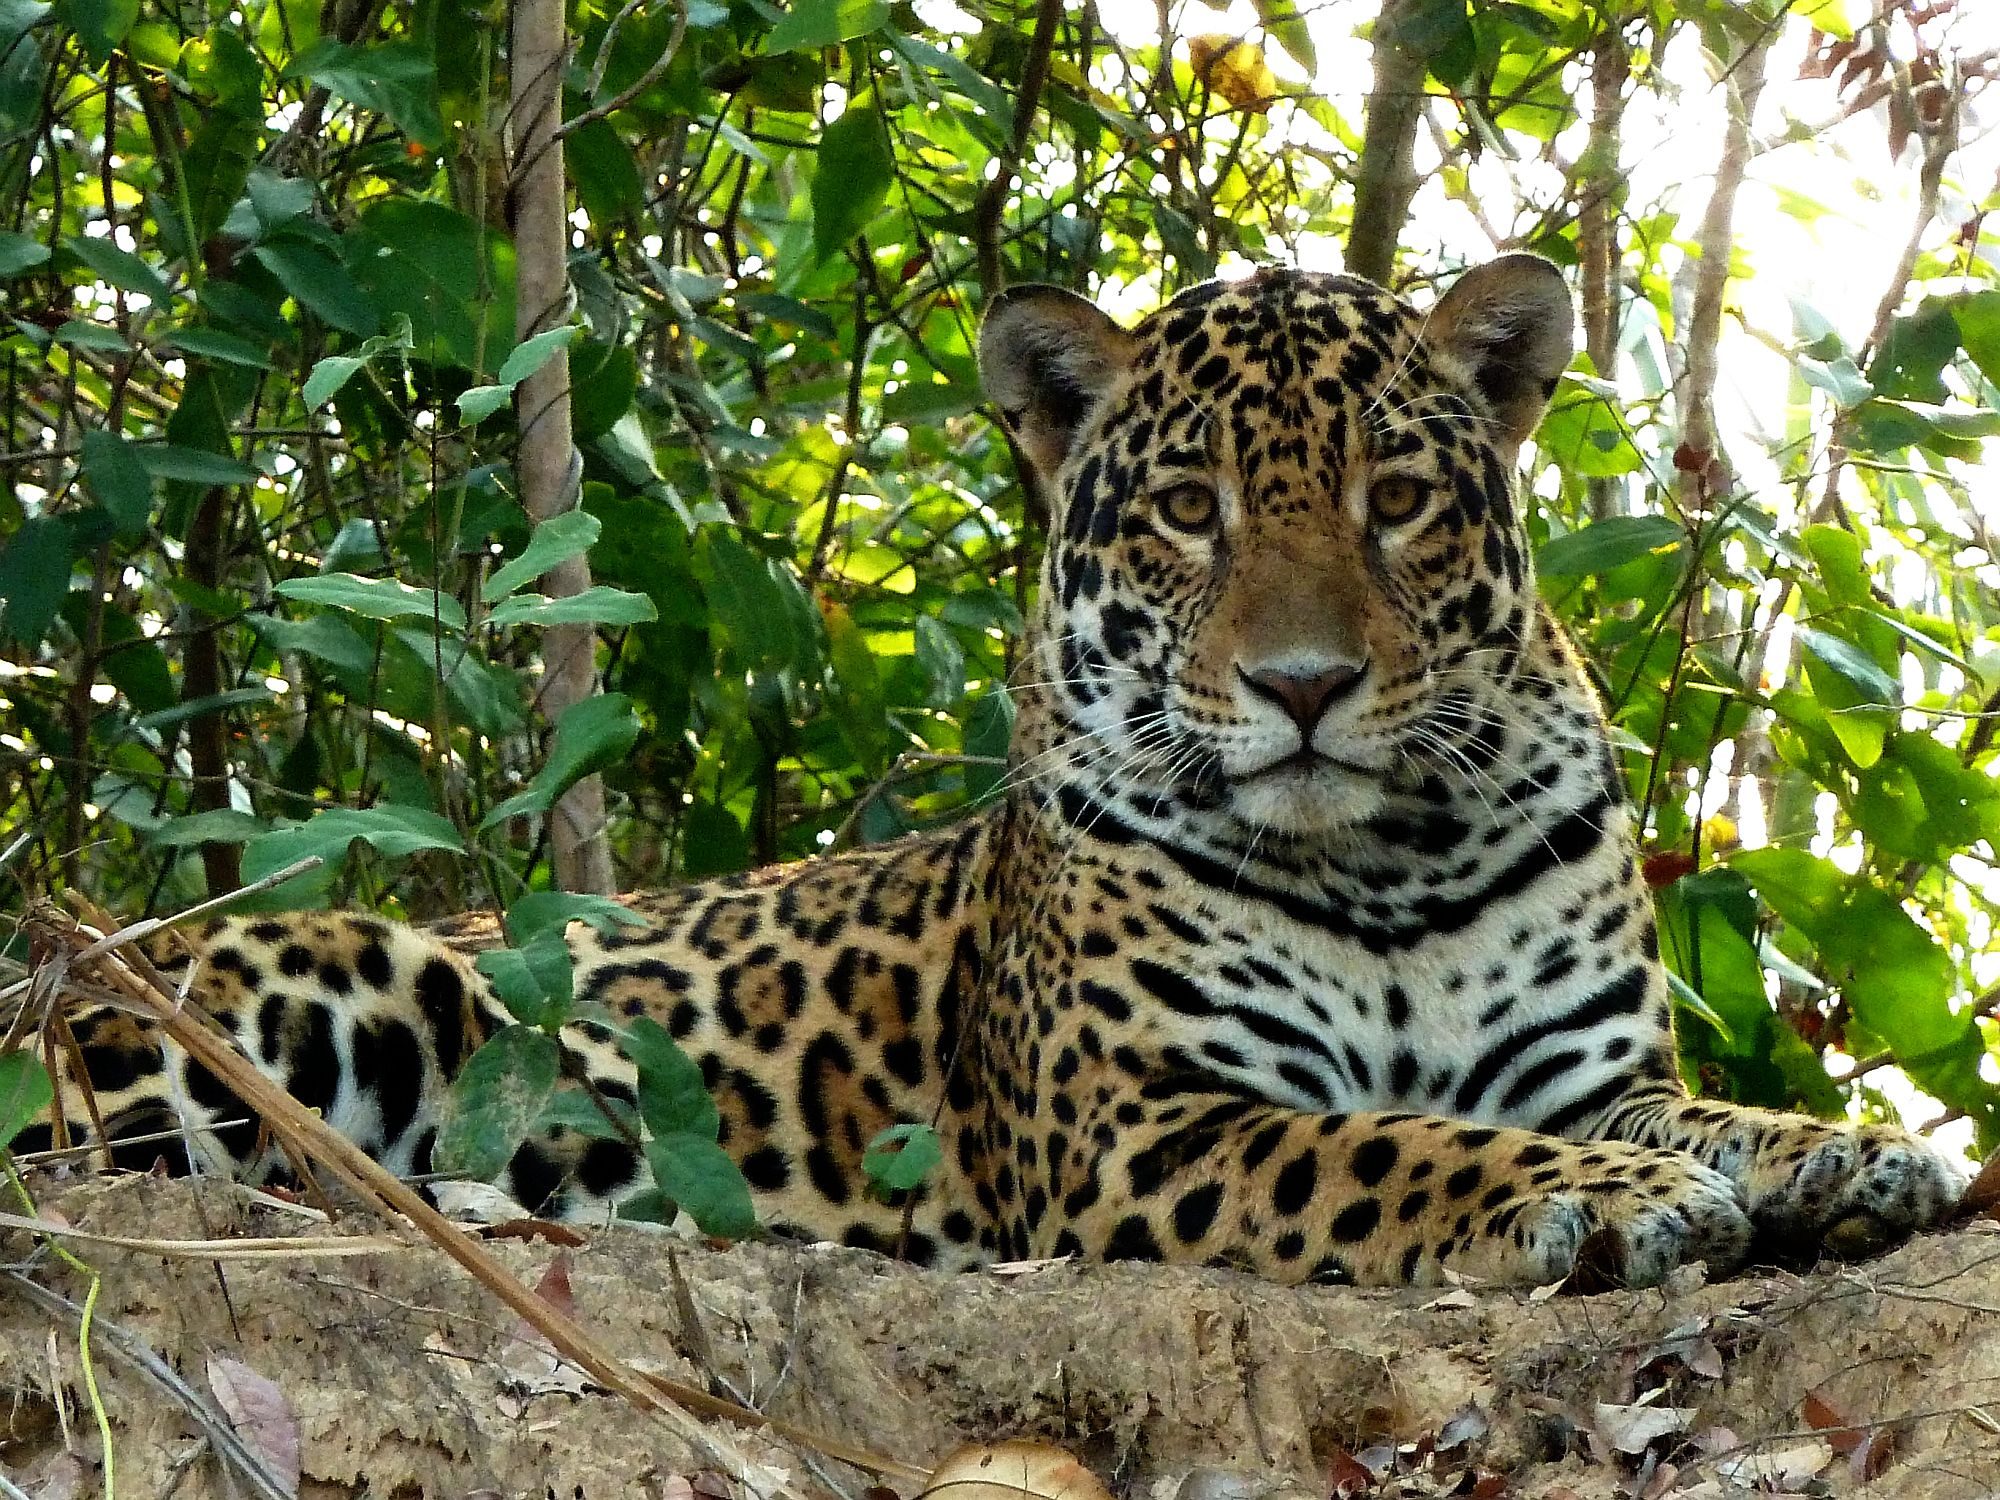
pixel 1307 937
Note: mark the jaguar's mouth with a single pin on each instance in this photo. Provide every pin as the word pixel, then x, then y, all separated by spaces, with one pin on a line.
pixel 1305 764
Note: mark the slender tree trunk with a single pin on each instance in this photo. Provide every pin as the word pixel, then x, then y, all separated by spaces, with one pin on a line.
pixel 1386 179
pixel 550 468
pixel 201 669
pixel 1597 225
pixel 1717 239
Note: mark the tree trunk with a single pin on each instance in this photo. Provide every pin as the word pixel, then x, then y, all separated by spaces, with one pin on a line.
pixel 1386 179
pixel 1597 226
pixel 550 469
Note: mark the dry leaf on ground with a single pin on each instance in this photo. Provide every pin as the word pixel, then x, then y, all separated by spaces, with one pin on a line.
pixel 1010 1471
pixel 262 1415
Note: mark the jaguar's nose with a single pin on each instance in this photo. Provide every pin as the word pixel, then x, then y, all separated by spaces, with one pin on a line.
pixel 1305 691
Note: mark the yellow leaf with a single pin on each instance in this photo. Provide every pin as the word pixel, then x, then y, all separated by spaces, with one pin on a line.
pixel 1234 70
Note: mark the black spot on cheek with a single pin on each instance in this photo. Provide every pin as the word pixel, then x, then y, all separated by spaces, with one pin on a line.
pixel 295 962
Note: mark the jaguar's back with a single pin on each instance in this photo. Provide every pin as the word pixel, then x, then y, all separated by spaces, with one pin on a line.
pixel 1307 936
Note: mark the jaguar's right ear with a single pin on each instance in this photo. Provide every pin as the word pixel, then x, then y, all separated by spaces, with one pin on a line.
pixel 1046 357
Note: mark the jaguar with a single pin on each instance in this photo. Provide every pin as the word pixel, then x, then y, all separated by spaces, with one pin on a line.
pixel 1306 938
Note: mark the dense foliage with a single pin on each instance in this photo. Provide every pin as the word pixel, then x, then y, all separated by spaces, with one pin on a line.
pixel 267 587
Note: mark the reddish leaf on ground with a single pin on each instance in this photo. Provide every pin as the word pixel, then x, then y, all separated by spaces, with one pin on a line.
pixel 1346 1476
pixel 261 1414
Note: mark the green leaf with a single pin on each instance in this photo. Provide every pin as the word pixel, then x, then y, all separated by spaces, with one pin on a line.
pixel 989 730
pixel 99 24
pixel 541 911
pixel 396 79
pixel 131 662
pixel 1911 361
pixel 25 1092
pixel 334 371
pixel 481 401
pixel 673 1099
pixel 1854 664
pixel 902 1156
pixel 327 377
pixel 209 703
pixel 597 605
pixel 22 76
pixel 376 598
pixel 1893 973
pixel 712 841
pixel 225 825
pixel 553 541
pixel 1978 318
pixel 19 252
pixel 757 601
pixel 1836 552
pixel 1288 29
pixel 603 380
pixel 452 279
pixel 1607 544
pixel 326 638
pixel 277 200
pixel 169 461
pixel 853 177
pixel 34 577
pixel 80 334
pixel 699 1176
pixel 1839 377
pixel 319 284
pixel 1852 714
pixel 591 735
pixel 605 173
pixel 494 1102
pixel 534 979
pixel 120 268
pixel 942 660
pixel 210 343
pixel 119 479
pixel 530 355
pixel 595 1118
pixel 823 23
pixel 393 831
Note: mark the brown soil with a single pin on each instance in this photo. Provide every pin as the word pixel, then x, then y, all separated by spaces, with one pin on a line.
pixel 407 1380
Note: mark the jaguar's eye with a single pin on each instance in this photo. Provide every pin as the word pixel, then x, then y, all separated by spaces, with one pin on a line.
pixel 1188 507
pixel 1395 497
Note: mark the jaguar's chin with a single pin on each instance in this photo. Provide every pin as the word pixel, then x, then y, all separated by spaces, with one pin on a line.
pixel 1307 794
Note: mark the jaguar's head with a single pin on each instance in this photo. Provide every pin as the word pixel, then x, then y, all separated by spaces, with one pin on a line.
pixel 1285 565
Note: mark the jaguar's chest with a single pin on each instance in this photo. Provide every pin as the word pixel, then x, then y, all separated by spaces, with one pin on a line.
pixel 1148 971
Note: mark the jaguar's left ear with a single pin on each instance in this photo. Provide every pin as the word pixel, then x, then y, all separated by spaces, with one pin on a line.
pixel 1512 325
